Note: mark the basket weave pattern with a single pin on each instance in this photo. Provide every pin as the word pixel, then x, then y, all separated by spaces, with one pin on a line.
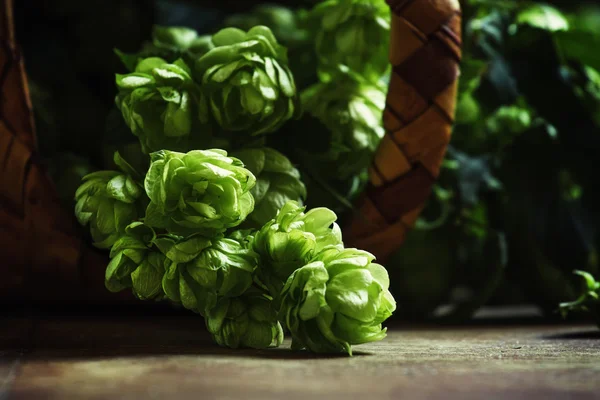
pixel 425 53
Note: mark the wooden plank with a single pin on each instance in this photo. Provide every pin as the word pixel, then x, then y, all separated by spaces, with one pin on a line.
pixel 124 357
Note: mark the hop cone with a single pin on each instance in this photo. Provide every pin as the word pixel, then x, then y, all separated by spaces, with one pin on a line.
pixel 246 321
pixel 247 82
pixel 277 181
pixel 340 299
pixel 109 201
pixel 203 191
pixel 349 114
pixel 353 33
pixel 160 104
pixel 135 264
pixel 291 240
pixel 200 271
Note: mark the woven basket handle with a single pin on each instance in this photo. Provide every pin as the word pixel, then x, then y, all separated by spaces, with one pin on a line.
pixel 425 52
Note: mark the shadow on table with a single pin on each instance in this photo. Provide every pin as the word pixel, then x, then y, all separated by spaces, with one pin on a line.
pixel 583 335
pixel 77 336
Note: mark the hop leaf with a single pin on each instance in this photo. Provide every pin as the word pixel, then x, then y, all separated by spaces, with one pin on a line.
pixel 247 321
pixel 135 264
pixel 161 105
pixel 277 181
pixel 203 191
pixel 353 33
pixel 339 299
pixel 291 240
pixel 109 201
pixel 247 82
pixel 199 271
pixel 350 110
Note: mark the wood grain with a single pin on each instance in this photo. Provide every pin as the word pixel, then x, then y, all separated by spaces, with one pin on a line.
pixel 425 52
pixel 158 357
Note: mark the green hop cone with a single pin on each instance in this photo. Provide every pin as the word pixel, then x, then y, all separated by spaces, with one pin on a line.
pixel 340 299
pixel 350 110
pixel 109 201
pixel 134 264
pixel 203 191
pixel 353 33
pixel 161 105
pixel 246 321
pixel 287 26
pixel 291 240
pixel 200 271
pixel 277 181
pixel 247 82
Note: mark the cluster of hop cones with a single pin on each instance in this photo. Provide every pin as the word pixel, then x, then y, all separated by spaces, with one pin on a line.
pixel 44 257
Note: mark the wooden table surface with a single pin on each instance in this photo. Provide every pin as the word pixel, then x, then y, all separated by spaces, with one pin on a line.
pixel 170 357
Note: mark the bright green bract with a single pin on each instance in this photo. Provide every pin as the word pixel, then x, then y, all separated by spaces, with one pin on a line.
pixel 277 181
pixel 109 201
pixel 247 82
pixel 161 105
pixel 340 299
pixel 200 271
pixel 291 240
pixel 203 191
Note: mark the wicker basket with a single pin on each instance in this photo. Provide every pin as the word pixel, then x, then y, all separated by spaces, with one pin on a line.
pixel 44 258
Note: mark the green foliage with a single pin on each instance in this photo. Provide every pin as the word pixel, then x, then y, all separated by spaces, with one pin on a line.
pixel 340 299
